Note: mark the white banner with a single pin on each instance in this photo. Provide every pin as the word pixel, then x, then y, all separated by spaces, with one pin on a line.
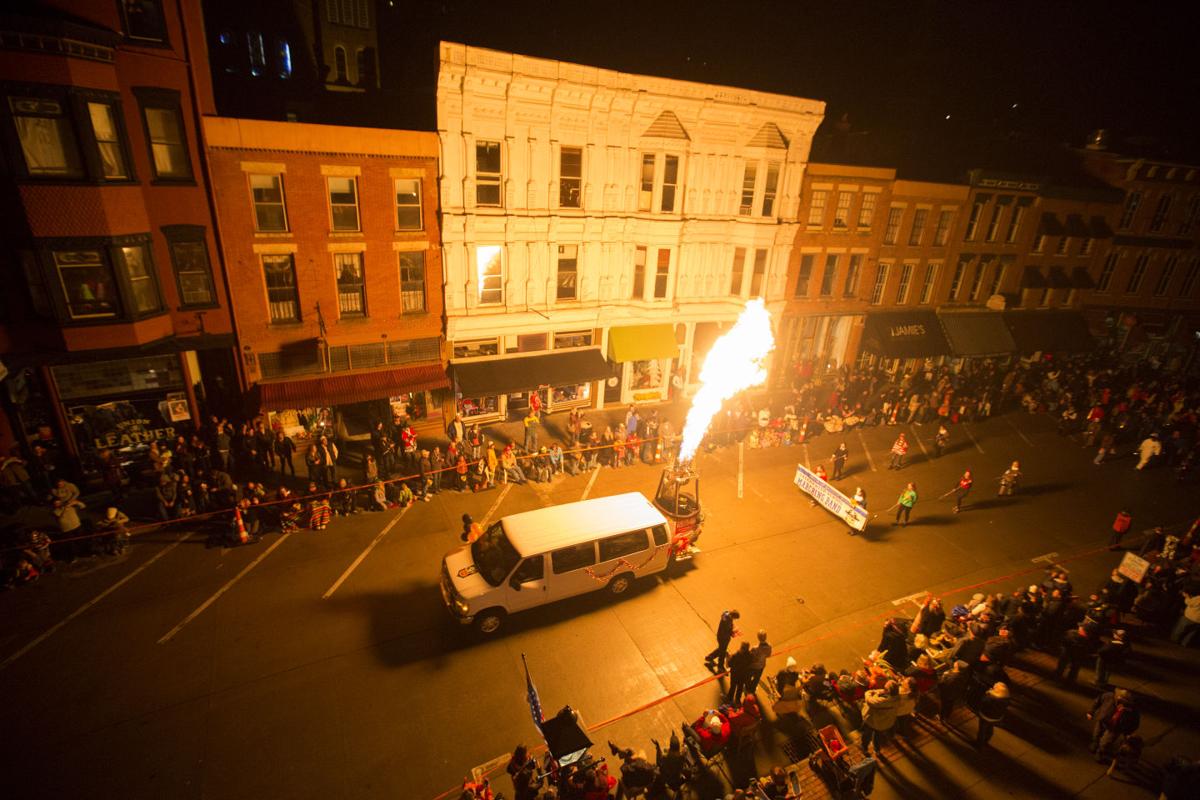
pixel 833 500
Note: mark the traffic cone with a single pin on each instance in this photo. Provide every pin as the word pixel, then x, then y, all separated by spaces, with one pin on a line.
pixel 243 537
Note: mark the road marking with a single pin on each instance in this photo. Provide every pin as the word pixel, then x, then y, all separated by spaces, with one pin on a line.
pixel 591 482
pixel 807 463
pixel 913 431
pixel 361 556
pixel 503 494
pixel 915 597
pixel 741 466
pixel 1049 558
pixel 1020 433
pixel 93 601
pixel 200 610
pixel 867 450
pixel 971 436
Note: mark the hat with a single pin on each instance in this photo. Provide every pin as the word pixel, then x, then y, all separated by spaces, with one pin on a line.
pixel 1123 696
pixel 791 662
pixel 466 518
pixel 1033 588
pixel 713 723
pixel 1118 634
pixel 111 513
pixel 999 690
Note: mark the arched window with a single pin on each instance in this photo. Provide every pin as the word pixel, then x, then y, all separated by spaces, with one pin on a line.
pixel 339 65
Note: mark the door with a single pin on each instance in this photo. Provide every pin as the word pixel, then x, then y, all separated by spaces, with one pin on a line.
pixel 530 577
pixel 572 571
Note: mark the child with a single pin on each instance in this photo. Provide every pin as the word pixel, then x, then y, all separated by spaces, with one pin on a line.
pixel 319 512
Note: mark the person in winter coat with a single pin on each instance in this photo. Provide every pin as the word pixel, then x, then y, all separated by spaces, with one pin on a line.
pixel 741 667
pixel 893 644
pixel 952 688
pixel 1149 449
pixel 1113 716
pixel 992 709
pixel 725 630
pixel 879 716
pixel 115 535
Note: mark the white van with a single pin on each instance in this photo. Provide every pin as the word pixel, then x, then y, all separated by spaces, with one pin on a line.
pixel 530 559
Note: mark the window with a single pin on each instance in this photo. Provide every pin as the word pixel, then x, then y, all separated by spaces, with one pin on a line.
pixel 866 210
pixel 143 20
pixel 570 177
pixel 881 276
pixel 1164 277
pixel 906 271
pixel 87 283
pixel 283 298
pixel 749 181
pixel 573 558
pixel 1014 224
pixel 568 272
pixel 364 63
pixel 476 348
pixel 737 272
pixel 1039 242
pixel 164 130
pixel 1064 243
pixel 816 208
pixel 941 233
pixel 1139 272
pixel 892 229
pixel 412 282
pixel 266 191
pixel 408 204
pixel 1132 201
pixel 841 212
pixel 572 339
pixel 659 532
pixel 193 271
pixel 1189 280
pixel 531 569
pixel 918 227
pixel 662 271
pixel 490 264
pixel 258 54
pixel 639 274
pixel 931 271
pixel 351 288
pixel 646 192
pixel 758 277
pixel 341 70
pixel 139 272
pixel 47 137
pixel 1085 246
pixel 850 287
pixel 973 220
pixel 1106 273
pixel 488 173
pixel 831 264
pixel 343 203
pixel 35 282
pixel 1161 211
pixel 624 544
pixel 985 262
pixel 804 274
pixel 772 186
pixel 1193 211
pixel 1047 293
pixel 106 132
pixel 960 270
pixel 998 276
pixel 670 183
pixel 285 59
pixel 994 223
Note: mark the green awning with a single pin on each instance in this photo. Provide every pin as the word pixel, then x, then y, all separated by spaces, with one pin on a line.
pixel 642 343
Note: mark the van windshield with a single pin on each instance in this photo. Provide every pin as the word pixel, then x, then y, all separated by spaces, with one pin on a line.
pixel 494 555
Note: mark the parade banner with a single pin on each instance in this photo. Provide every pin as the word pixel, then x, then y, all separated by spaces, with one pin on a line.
pixel 833 500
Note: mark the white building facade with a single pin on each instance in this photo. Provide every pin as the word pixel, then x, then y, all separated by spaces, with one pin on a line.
pixel 600 228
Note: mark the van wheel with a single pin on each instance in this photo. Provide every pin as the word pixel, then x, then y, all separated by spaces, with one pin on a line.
pixel 488 622
pixel 620 584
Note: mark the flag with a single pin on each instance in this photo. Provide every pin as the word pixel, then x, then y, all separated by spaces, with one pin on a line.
pixel 535 705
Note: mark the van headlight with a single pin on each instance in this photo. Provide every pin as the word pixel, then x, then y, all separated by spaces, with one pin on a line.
pixel 461 606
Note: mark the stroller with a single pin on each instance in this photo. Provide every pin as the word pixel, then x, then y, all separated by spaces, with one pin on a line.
pixel 832 762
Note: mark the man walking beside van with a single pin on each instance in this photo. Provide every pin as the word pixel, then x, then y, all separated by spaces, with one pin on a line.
pixel 715 660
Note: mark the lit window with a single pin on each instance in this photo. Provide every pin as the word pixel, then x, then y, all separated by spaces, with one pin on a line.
pixel 412 282
pixel 108 141
pixel 193 272
pixel 759 275
pixel 771 187
pixel 568 272
pixel 841 212
pixel 749 181
pixel 662 271
pixel 283 297
pixel 168 145
pixel 816 208
pixel 351 288
pixel 804 274
pixel 47 139
pixel 941 233
pixel 891 230
pixel 285 59
pixel 490 263
pixel 343 203
pixel 570 177
pixel 831 264
pixel 408 204
pixel 918 227
pixel 488 175
pixel 866 211
pixel 143 288
pixel 906 271
pixel 267 194
pixel 850 287
pixel 881 276
pixel 87 283
pixel 738 271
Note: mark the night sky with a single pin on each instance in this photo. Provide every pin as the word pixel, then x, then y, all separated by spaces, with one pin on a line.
pixel 901 67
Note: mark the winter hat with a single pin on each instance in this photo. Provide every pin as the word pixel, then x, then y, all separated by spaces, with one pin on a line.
pixel 790 663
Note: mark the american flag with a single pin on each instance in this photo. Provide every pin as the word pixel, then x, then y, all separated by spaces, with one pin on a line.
pixel 535 705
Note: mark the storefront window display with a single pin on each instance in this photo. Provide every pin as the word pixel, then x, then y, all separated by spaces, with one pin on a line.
pixel 303 425
pixel 487 405
pixel 650 374
pixel 413 405
pixel 126 427
pixel 575 394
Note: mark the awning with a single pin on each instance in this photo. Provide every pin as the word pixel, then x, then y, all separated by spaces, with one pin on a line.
pixel 1058 279
pixel 1098 226
pixel 1077 227
pixel 522 373
pixel 977 333
pixel 359 387
pixel 1080 279
pixel 642 343
pixel 1032 278
pixel 1050 225
pixel 1052 331
pixel 905 334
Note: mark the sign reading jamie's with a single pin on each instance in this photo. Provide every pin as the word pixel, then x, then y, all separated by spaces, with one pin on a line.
pixel 905 334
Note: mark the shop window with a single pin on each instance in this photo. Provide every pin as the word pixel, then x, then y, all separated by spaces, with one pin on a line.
pixel 531 343
pixel 570 177
pixel 412 282
pixel 487 405
pixel 165 133
pixel 193 270
pixel 662 272
pixel 107 134
pixel 414 405
pixel 283 297
pixel 623 544
pixel 351 285
pixel 87 283
pixel 139 272
pixel 648 374
pixel 270 211
pixel 575 393
pixel 489 174
pixel 408 204
pixel 572 339
pixel 490 263
pixel 143 20
pixel 476 348
pixel 568 272
pixel 47 137
pixel 343 203
pixel 572 558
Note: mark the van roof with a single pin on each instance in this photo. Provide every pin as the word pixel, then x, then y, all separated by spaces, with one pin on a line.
pixel 546 529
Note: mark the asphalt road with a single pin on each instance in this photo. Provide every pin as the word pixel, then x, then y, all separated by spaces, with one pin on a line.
pixel 275 670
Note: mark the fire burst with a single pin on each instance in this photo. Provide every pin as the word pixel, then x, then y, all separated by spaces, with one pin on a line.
pixel 736 362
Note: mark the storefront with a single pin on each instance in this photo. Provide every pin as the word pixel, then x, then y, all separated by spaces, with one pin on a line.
pixel 976 334
pixel 644 355
pixel 1036 331
pixel 497 388
pixel 813 345
pixel 902 340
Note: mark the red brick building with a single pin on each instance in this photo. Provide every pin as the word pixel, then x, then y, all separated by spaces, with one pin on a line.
pixel 331 242
pixel 113 323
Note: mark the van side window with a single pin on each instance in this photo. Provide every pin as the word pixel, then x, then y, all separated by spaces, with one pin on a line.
pixel 660 535
pixel 531 569
pixel 623 544
pixel 572 558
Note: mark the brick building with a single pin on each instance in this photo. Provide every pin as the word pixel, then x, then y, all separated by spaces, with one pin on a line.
pixel 113 325
pixel 330 239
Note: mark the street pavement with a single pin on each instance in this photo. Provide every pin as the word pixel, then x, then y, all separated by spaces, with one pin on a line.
pixel 323 664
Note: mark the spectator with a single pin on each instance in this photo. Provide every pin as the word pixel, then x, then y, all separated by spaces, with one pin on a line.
pixel 1189 621
pixel 167 495
pixel 952 689
pixel 992 709
pixel 1113 716
pixel 740 669
pixel 879 716
pixel 115 536
pixel 1110 655
pixel 758 663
